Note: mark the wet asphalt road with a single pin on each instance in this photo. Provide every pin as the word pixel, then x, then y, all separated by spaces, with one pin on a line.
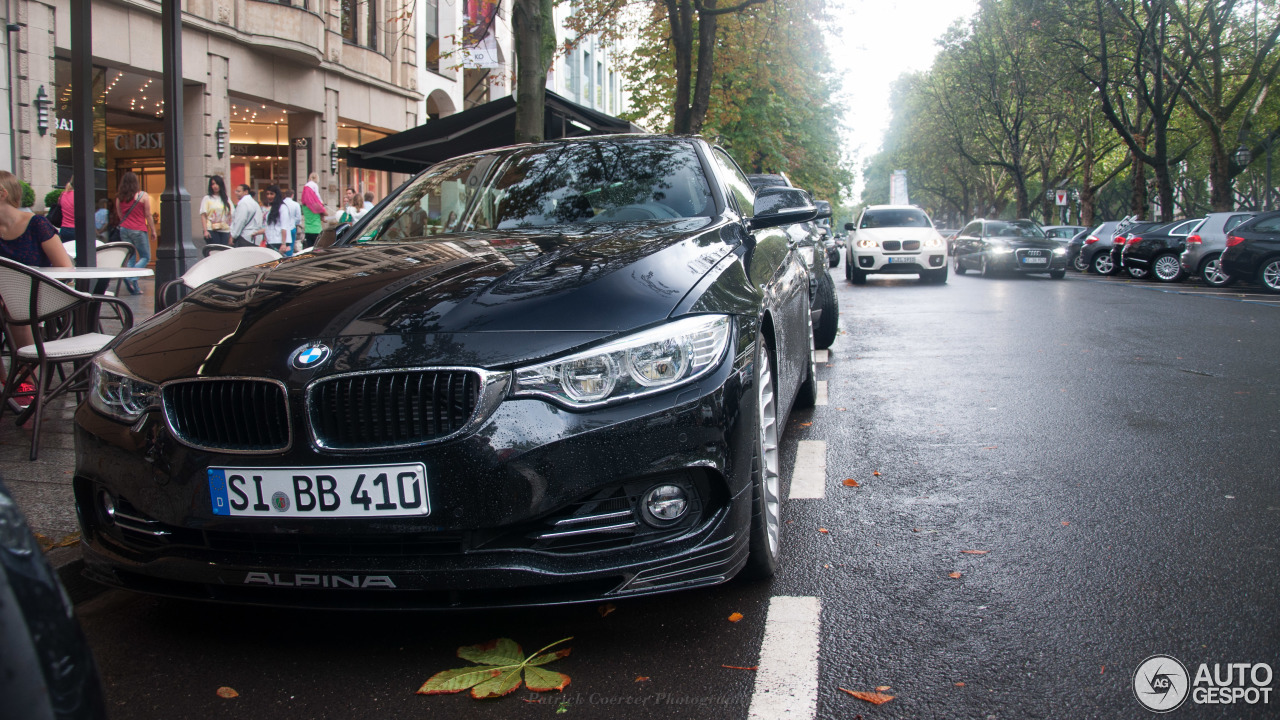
pixel 1112 448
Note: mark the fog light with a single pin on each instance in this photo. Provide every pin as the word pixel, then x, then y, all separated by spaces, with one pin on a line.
pixel 665 504
pixel 108 506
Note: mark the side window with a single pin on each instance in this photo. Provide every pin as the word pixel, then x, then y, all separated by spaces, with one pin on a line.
pixel 738 185
pixel 1233 221
pixel 969 230
pixel 1271 226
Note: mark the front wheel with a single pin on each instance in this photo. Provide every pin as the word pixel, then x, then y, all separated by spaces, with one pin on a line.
pixel 1103 265
pixel 960 269
pixel 857 277
pixel 766 493
pixel 1166 268
pixel 1136 273
pixel 1078 263
pixel 1057 274
pixel 937 277
pixel 1212 274
pixel 829 322
pixel 985 268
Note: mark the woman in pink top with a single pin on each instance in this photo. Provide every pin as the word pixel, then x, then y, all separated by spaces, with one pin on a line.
pixel 134 208
pixel 67 202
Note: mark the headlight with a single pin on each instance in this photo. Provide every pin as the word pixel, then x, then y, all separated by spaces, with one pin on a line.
pixel 868 244
pixel 933 243
pixel 646 362
pixel 1059 251
pixel 1001 249
pixel 116 393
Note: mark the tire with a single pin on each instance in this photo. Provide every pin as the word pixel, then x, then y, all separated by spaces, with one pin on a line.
pixel 1269 275
pixel 984 269
pixel 829 323
pixel 960 269
pixel 766 485
pixel 1211 273
pixel 808 395
pixel 1103 264
pixel 1057 274
pixel 1166 268
pixel 857 277
pixel 833 260
pixel 934 277
pixel 848 268
pixel 1078 262
pixel 1136 273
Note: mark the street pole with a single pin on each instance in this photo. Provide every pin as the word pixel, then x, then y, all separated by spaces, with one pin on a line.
pixel 1267 204
pixel 174 246
pixel 82 167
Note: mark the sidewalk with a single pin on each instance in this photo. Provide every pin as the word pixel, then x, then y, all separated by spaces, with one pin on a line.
pixel 42 488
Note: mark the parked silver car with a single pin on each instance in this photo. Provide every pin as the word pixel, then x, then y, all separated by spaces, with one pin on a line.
pixel 1206 243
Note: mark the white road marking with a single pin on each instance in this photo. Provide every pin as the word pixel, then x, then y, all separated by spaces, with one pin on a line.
pixel 820 356
pixel 822 393
pixel 809 476
pixel 787 677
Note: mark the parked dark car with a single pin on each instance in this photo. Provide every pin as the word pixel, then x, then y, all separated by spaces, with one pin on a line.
pixel 1075 245
pixel 1095 254
pixel 1253 251
pixel 1206 243
pixel 570 389
pixel 1136 230
pixel 996 246
pixel 46 669
pixel 1154 253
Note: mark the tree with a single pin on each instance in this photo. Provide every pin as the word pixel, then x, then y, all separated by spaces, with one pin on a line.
pixel 533 24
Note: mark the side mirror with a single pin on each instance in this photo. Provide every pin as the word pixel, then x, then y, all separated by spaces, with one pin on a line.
pixel 824 210
pixel 849 227
pixel 329 237
pixel 777 206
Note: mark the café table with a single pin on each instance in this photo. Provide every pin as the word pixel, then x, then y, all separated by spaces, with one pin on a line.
pixel 84 321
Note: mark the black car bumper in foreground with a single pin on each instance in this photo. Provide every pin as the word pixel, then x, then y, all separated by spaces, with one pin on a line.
pixel 537 506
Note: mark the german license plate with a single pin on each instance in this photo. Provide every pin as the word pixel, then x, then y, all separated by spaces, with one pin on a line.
pixel 1035 260
pixel 349 491
pixel 900 260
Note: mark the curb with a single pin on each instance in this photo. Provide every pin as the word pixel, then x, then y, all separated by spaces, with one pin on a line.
pixel 69 565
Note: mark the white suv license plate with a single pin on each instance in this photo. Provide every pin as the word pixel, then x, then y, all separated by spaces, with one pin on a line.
pixel 900 260
pixel 334 492
pixel 1035 260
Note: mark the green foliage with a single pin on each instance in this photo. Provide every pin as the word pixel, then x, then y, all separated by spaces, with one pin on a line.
pixel 28 195
pixel 50 197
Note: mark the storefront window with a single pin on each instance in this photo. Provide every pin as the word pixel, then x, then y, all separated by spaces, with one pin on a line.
pixel 259 144
pixel 358 179
pixel 60 123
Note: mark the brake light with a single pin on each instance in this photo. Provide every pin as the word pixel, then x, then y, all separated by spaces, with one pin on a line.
pixel 1194 240
pixel 1091 240
pixel 1234 240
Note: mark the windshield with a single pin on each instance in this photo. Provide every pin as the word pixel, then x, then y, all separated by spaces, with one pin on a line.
pixel 1012 228
pixel 894 218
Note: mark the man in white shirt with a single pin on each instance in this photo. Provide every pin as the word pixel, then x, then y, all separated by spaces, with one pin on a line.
pixel 295 222
pixel 247 218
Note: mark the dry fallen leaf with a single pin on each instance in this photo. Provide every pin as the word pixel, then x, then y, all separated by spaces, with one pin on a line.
pixel 824 530
pixel 850 482
pixel 989 447
pixel 606 609
pixel 874 698
pixel 1065 523
pixel 959 684
pixel 739 667
pixel 882 688
pixel 955 575
pixel 975 552
pixel 876 473
pixel 1104 667
pixel 735 617
pixel 228 693
pixel 805 424
pixel 68 541
pixel 915 529
pixel 642 678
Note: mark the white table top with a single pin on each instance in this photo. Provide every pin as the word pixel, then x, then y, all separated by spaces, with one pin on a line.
pixel 91 273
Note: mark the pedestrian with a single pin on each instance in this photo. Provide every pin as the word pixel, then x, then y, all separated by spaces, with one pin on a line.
pixel 100 218
pixel 247 217
pixel 349 209
pixel 313 209
pixel 275 220
pixel 67 223
pixel 368 203
pixel 215 212
pixel 136 225
pixel 295 222
pixel 31 240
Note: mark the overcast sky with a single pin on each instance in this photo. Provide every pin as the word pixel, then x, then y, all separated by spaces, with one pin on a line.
pixel 878 41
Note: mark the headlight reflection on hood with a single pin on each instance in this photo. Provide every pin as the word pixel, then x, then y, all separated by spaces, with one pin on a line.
pixel 116 393
pixel 646 362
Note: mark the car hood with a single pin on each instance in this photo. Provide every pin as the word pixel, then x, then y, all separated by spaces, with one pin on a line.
pixel 473 299
pixel 897 233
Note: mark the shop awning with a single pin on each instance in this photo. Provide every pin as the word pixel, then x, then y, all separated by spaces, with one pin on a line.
pixel 490 125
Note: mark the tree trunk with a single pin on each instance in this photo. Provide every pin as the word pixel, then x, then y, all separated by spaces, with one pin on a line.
pixel 1086 188
pixel 706 67
pixel 535 43
pixel 680 15
pixel 1222 196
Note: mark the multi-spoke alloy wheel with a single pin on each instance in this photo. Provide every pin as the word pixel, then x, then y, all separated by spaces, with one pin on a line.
pixel 1102 264
pixel 1270 275
pixel 1167 268
pixel 1213 275
pixel 766 506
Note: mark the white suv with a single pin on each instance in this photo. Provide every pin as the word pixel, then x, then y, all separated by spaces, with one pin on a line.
pixel 895 239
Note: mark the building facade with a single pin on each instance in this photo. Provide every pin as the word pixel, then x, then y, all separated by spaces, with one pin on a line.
pixel 272 91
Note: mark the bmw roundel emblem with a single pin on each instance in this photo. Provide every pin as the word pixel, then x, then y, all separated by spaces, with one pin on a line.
pixel 309 356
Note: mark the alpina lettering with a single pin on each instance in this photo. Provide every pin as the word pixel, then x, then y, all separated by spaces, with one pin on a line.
pixel 322 581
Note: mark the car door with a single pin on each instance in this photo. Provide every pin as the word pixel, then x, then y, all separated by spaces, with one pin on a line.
pixel 779 269
pixel 966 242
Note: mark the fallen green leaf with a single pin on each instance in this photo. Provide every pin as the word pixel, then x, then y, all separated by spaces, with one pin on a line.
pixel 500 668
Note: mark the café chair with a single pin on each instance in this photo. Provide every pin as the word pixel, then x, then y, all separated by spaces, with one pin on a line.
pixel 214 266
pixel 31 298
pixel 211 248
pixel 114 255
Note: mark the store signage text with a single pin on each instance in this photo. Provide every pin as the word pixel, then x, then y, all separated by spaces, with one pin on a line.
pixel 140 141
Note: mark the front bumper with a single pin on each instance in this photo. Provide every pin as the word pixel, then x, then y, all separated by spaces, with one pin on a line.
pixel 1018 261
pixel 901 262
pixel 495 497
